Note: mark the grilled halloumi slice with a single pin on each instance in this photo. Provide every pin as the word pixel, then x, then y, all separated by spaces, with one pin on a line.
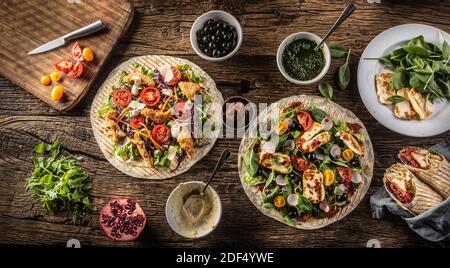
pixel 314 143
pixel 404 110
pixel 313 188
pixel 351 142
pixel 385 90
pixel 189 89
pixel 280 163
pixel 316 128
pixel 423 107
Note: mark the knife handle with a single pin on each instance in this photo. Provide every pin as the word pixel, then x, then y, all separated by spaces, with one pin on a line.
pixel 86 30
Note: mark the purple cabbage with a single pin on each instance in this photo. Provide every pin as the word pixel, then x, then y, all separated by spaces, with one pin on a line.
pixel 159 79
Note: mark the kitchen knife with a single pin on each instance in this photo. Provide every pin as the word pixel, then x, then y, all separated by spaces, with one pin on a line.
pixel 63 40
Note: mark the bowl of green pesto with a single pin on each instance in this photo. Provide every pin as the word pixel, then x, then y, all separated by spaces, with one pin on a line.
pixel 299 63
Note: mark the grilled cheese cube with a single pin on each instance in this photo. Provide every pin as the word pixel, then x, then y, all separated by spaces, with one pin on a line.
pixel 384 87
pixel 350 142
pixel 319 140
pixel 280 163
pixel 313 188
pixel 423 107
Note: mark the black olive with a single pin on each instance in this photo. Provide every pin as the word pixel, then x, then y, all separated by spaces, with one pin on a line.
pixel 201 46
pixel 291 175
pixel 200 33
pixel 311 157
pixel 207 51
pixel 355 162
pixel 292 213
pixel 230 28
pixel 222 25
pixel 225 46
pixel 209 22
pixel 213 38
pixel 342 198
pixel 209 29
pixel 212 45
pixel 216 53
pixel 223 52
pixel 206 39
pixel 233 44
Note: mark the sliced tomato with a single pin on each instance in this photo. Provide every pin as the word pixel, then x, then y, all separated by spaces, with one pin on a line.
pixel 176 77
pixel 77 52
pixel 77 71
pixel 161 134
pixel 122 97
pixel 137 121
pixel 150 96
pixel 64 65
pixel 305 119
pixel 300 164
pixel 345 173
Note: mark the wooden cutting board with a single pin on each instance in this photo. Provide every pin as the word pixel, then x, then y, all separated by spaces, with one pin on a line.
pixel 26 25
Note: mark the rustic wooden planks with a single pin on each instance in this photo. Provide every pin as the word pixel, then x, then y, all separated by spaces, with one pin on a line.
pixel 160 27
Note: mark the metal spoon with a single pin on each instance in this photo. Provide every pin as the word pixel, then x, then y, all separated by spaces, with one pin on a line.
pixel 344 15
pixel 222 160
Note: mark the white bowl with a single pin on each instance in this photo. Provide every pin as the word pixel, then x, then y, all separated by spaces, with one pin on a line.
pixel 175 198
pixel 215 15
pixel 309 36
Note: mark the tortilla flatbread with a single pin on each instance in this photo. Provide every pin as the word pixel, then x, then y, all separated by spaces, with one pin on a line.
pixel 137 168
pixel 335 111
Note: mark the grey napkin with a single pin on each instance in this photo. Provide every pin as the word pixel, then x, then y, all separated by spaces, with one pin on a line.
pixel 434 224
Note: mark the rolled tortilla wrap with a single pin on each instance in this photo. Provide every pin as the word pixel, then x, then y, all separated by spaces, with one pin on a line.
pixel 431 168
pixel 408 191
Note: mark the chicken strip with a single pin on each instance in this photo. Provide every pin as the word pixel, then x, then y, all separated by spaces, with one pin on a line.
pixel 189 89
pixel 156 115
pixel 145 80
pixel 140 144
pixel 112 129
pixel 185 140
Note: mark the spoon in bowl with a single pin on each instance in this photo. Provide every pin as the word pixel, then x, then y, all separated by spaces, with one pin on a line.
pixel 222 160
pixel 344 15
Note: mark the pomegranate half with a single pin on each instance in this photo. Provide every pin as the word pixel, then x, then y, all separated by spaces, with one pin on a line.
pixel 122 219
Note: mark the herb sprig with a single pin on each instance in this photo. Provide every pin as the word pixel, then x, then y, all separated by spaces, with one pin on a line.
pixel 59 183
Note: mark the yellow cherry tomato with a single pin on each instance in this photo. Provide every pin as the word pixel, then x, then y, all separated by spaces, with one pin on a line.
pixel 56 76
pixel 88 55
pixel 279 201
pixel 328 177
pixel 45 80
pixel 282 127
pixel 57 93
pixel 348 154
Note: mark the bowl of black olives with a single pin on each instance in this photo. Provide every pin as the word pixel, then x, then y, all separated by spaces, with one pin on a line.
pixel 216 35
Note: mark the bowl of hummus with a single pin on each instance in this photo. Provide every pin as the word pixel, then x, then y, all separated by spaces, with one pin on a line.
pixel 192 214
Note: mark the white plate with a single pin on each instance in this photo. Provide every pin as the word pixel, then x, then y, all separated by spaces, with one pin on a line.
pixel 381 45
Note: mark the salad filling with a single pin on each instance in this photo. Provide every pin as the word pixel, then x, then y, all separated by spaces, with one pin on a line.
pixel 307 166
pixel 156 116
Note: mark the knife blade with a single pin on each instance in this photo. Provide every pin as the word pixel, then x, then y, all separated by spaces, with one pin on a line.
pixel 63 40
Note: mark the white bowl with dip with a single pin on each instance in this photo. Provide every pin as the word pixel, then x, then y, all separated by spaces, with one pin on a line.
pixel 191 215
pixel 308 36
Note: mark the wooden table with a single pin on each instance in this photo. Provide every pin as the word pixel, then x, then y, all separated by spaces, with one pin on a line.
pixel 161 27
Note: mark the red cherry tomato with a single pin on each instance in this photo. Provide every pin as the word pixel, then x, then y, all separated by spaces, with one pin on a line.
pixel 176 77
pixel 150 96
pixel 137 121
pixel 64 65
pixel 345 174
pixel 122 97
pixel 77 71
pixel 305 119
pixel 77 52
pixel 161 134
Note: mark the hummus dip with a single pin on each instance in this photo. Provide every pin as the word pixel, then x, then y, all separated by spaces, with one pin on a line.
pixel 192 214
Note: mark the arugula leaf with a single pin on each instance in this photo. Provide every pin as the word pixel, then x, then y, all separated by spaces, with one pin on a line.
pixel 143 70
pixel 59 183
pixel 251 162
